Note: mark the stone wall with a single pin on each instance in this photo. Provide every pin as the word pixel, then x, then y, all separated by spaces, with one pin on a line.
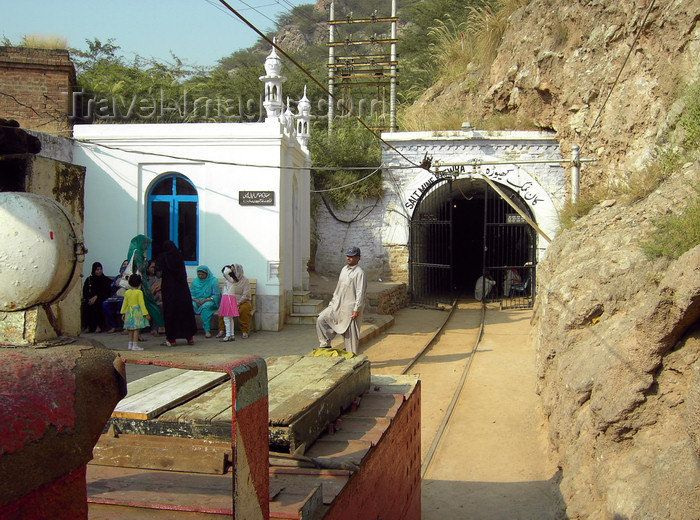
pixel 358 224
pixel 37 85
pixel 382 298
pixel 388 301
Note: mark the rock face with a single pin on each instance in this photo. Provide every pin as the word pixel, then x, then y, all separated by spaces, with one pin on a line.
pixel 618 342
pixel 618 335
pixel 559 60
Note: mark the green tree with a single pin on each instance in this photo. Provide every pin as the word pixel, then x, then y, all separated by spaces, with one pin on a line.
pixel 347 145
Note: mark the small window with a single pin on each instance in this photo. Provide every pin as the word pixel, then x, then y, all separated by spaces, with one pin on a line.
pixel 173 208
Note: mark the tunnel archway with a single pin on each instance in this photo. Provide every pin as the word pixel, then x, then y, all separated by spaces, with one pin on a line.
pixel 461 229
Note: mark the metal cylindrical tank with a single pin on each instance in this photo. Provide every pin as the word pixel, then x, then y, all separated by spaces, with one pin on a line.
pixel 41 248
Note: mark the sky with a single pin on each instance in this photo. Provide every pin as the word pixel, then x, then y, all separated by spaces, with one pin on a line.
pixel 199 32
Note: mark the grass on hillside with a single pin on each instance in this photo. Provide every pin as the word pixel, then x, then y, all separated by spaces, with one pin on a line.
pixel 464 52
pixel 674 234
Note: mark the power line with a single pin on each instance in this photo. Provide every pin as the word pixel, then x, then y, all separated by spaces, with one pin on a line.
pixel 346 185
pixel 260 13
pixel 634 42
pixel 230 163
pixel 321 86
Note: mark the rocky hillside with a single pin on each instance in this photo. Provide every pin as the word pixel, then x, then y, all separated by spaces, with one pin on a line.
pixel 618 334
pixel 557 65
pixel 618 342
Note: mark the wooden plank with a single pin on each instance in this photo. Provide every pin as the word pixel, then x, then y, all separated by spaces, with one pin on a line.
pixel 151 380
pixel 299 419
pixel 202 409
pixel 306 370
pixel 293 405
pixel 162 490
pixel 277 365
pixel 167 394
pixel 189 430
pixel 163 453
pixel 305 428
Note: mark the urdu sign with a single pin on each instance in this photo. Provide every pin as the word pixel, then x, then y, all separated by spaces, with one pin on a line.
pixel 256 198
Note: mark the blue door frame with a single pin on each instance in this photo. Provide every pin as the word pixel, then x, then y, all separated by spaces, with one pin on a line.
pixel 174 199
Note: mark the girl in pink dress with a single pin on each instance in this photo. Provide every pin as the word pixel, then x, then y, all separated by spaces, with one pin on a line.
pixel 228 309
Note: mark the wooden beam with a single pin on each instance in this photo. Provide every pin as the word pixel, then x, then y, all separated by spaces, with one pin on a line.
pixel 164 395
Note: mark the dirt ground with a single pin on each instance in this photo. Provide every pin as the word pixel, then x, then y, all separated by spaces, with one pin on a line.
pixel 492 462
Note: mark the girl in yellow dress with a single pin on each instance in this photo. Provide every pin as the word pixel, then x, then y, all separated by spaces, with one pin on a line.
pixel 134 310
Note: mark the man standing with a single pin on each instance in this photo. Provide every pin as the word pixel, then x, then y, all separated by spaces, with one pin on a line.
pixel 344 312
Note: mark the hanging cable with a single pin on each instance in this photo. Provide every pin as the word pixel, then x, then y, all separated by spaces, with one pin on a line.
pixel 346 185
pixel 213 161
pixel 317 82
pixel 356 218
pixel 634 42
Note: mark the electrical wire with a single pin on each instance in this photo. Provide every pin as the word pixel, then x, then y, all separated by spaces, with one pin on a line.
pixel 346 185
pixel 634 42
pixel 317 82
pixel 260 13
pixel 213 161
pixel 356 218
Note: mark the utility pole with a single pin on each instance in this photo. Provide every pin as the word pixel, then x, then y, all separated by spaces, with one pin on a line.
pixel 357 70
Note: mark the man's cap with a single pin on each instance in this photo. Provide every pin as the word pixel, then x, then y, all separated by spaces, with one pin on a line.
pixel 353 251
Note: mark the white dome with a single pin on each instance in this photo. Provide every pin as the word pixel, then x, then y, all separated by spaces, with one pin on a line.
pixel 273 64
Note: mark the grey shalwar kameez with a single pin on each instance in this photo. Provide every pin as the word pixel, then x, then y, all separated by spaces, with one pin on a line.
pixel 349 296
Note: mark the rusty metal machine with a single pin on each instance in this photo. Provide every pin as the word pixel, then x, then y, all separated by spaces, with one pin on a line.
pixel 56 391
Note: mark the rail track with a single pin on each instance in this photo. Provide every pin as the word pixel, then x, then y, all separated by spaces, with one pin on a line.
pixel 439 346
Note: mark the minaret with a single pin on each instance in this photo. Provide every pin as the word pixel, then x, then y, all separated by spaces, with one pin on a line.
pixel 273 85
pixel 303 119
pixel 288 119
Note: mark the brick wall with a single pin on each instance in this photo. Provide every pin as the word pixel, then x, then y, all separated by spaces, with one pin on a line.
pixel 36 87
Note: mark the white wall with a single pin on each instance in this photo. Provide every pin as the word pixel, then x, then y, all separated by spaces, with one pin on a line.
pixel 384 224
pixel 117 183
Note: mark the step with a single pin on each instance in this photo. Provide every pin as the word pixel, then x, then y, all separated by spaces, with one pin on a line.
pixel 308 307
pixel 301 319
pixel 300 296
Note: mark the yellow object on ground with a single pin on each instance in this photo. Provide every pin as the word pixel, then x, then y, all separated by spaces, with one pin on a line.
pixel 332 352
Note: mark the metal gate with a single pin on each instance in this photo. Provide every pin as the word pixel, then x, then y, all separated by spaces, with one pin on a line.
pixel 508 251
pixel 430 246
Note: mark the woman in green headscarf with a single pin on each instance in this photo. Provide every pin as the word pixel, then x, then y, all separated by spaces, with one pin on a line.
pixel 139 264
pixel 205 296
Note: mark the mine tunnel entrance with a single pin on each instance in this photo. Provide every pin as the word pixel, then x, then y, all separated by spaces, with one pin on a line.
pixel 462 230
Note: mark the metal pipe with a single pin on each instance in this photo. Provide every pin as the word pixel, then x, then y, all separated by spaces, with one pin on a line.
pixel 575 170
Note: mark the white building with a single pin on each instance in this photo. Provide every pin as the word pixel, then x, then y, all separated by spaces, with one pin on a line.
pixel 223 192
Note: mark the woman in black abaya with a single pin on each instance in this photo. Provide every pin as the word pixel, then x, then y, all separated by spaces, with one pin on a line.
pixel 95 290
pixel 178 313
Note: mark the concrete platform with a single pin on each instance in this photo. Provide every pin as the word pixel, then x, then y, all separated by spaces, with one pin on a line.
pixel 292 340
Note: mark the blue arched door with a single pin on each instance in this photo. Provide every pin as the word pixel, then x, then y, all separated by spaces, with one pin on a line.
pixel 173 214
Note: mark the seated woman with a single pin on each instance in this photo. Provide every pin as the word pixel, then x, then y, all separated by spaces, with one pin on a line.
pixel 205 296
pixel 95 291
pixel 242 290
pixel 154 282
pixel 112 305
